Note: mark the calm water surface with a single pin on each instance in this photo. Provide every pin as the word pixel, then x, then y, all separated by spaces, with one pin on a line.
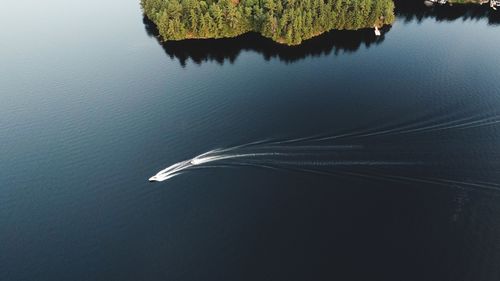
pixel 359 158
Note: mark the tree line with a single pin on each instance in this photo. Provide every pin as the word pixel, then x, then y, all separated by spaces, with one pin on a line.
pixel 285 21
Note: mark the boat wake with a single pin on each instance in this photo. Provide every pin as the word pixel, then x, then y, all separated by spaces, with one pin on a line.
pixel 391 153
pixel 259 154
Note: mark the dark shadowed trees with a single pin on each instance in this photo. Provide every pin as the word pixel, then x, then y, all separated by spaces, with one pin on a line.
pixel 285 21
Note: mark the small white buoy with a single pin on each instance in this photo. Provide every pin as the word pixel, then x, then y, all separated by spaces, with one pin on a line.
pixel 377 31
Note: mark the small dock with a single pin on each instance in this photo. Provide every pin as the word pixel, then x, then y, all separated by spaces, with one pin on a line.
pixel 494 4
pixel 432 2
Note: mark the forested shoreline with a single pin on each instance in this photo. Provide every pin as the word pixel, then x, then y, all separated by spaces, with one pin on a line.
pixel 285 21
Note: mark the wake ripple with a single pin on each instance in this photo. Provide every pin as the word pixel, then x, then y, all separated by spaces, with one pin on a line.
pixel 310 154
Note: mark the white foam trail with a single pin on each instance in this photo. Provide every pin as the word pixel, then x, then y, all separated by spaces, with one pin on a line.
pixel 202 159
pixel 207 159
pixel 259 149
pixel 341 163
pixel 313 147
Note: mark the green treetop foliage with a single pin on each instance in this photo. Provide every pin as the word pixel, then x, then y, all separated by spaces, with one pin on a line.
pixel 285 21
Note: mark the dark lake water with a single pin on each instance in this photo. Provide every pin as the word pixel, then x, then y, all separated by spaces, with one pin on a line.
pixel 348 158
